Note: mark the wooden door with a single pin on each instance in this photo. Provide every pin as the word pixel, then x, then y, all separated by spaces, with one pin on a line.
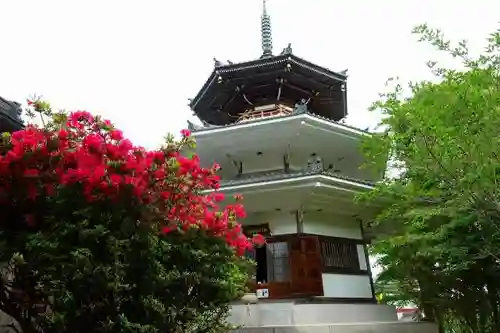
pixel 277 287
pixel 278 268
pixel 305 266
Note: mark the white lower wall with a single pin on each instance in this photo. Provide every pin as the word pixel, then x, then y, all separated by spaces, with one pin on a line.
pixel 280 223
pixel 334 226
pixel 283 224
pixel 347 286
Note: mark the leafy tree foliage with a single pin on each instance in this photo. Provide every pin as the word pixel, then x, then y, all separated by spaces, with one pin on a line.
pixel 441 223
pixel 98 235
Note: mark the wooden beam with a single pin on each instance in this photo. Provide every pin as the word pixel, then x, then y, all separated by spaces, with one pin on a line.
pixel 299 220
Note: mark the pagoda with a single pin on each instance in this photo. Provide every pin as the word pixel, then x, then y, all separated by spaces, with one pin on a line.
pixel 276 127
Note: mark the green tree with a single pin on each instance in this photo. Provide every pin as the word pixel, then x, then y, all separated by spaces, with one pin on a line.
pixel 442 217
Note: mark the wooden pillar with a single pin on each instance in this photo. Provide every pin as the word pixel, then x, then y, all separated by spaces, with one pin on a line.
pixel 286 162
pixel 343 89
pixel 239 167
pixel 367 259
pixel 299 220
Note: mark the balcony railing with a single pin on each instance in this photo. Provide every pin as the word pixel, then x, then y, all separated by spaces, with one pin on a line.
pixel 267 111
pixel 281 174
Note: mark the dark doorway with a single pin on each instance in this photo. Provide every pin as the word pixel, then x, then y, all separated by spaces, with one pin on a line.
pixel 261 259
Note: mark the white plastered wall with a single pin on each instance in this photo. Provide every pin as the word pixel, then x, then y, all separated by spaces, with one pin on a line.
pixel 280 223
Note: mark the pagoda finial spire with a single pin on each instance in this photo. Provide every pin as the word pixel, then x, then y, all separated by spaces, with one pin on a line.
pixel 267 39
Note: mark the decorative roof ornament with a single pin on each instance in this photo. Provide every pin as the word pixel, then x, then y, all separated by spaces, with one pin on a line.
pixel 287 50
pixel 301 106
pixel 195 127
pixel 217 63
pixel 192 126
pixel 267 38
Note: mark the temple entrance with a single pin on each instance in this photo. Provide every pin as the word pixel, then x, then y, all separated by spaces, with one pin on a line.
pixel 272 272
pixel 289 266
pixel 286 266
pixel 261 274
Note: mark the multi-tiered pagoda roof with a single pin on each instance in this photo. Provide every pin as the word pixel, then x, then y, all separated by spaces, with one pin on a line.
pixel 284 78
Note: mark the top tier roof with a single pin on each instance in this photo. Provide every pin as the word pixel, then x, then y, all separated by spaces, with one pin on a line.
pixel 233 89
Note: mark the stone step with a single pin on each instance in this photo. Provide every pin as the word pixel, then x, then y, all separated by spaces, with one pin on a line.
pixel 391 327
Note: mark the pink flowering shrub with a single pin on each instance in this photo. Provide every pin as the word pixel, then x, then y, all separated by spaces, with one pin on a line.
pixel 99 235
